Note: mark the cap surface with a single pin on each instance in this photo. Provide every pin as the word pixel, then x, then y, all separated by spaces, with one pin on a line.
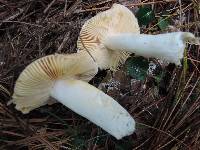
pixel 118 19
pixel 32 88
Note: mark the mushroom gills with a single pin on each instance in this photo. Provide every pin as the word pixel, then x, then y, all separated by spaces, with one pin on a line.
pixel 168 47
pixel 96 106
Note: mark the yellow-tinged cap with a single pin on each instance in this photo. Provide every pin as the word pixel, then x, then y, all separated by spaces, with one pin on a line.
pixel 32 88
pixel 118 19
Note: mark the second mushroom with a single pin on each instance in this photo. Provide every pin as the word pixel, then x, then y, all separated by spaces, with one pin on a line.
pixel 111 36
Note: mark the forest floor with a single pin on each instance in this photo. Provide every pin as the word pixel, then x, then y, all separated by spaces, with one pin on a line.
pixel 166 108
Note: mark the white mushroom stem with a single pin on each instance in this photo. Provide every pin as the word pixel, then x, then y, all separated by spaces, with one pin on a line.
pixel 169 47
pixel 96 106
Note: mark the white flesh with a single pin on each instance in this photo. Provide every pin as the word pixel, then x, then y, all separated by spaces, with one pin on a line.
pixel 96 106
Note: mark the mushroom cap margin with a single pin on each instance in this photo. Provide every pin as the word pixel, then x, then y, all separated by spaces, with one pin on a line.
pixel 32 88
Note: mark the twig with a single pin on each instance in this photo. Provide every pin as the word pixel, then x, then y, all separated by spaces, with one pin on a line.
pixel 149 3
pixel 36 25
pixel 65 8
pixel 13 16
pixel 97 4
pixel 168 134
pixel 72 8
pixel 2 88
pixel 46 9
pixel 66 37
pixel 13 133
pixel 180 12
pixel 129 5
pixel 86 49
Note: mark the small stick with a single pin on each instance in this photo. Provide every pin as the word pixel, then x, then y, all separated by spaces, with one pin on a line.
pixel 66 37
pixel 65 9
pixel 87 49
pixel 72 8
pixel 13 16
pixel 129 5
pixel 26 23
pixel 52 2
pixel 2 88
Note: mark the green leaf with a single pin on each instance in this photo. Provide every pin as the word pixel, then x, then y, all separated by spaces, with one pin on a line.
pixel 163 23
pixel 145 15
pixel 137 67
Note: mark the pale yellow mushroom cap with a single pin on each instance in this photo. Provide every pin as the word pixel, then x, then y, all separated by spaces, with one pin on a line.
pixel 118 19
pixel 32 88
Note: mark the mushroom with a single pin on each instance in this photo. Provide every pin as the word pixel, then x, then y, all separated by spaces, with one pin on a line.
pixel 65 77
pixel 112 35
